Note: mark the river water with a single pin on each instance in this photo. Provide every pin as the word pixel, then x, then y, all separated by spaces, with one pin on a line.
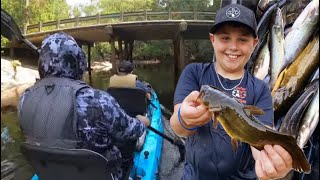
pixel 160 76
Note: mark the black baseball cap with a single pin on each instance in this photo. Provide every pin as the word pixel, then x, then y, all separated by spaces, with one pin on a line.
pixel 125 67
pixel 235 13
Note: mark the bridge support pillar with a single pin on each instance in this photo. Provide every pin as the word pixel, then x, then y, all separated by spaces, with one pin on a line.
pixel 89 63
pixel 120 55
pixel 113 55
pixel 128 49
pixel 130 44
pixel 179 51
pixel 179 55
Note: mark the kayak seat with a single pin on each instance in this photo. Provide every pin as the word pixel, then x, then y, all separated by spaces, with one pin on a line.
pixel 66 164
pixel 132 100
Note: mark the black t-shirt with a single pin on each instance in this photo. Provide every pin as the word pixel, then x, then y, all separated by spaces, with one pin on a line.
pixel 209 154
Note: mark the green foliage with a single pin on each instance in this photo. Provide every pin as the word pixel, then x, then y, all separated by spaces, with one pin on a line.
pixel 199 50
pixel 4 41
pixel 115 6
pixel 152 50
pixel 36 11
pixel 16 9
pixel 47 10
pixel 101 52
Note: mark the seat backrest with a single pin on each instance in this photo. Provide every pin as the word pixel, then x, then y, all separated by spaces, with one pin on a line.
pixel 67 164
pixel 132 100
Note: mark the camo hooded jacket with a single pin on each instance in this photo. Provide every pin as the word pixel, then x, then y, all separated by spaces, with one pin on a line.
pixel 101 121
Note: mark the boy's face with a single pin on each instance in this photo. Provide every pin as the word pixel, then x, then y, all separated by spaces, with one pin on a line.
pixel 233 46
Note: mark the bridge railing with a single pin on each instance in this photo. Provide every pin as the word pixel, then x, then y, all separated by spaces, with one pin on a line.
pixel 118 17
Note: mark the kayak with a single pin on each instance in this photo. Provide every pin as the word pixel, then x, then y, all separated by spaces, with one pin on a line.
pixel 147 159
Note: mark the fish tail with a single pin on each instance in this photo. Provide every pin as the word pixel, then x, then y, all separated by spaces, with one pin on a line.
pixel 301 163
pixel 289 143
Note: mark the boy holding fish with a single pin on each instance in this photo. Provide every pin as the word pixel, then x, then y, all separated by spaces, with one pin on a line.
pixel 209 153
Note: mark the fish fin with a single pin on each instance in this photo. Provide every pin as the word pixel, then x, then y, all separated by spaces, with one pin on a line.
pixel 234 143
pixel 253 110
pixel 215 121
pixel 278 82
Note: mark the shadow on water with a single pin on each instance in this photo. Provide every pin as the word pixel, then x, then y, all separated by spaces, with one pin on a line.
pixel 160 76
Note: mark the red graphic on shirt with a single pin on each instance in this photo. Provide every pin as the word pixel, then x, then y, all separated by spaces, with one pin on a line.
pixel 240 94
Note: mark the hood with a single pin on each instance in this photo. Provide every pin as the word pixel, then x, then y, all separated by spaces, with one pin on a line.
pixel 60 56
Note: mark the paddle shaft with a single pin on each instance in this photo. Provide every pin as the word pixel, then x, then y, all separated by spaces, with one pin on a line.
pixel 165 137
pixel 10 24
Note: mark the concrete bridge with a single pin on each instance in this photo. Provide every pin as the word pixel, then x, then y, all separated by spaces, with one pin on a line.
pixel 128 27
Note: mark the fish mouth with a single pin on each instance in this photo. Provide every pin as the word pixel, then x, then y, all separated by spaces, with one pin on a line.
pixel 200 96
pixel 200 99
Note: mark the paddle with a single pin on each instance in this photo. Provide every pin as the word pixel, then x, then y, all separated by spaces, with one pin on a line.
pixel 177 143
pixel 11 31
pixel 165 110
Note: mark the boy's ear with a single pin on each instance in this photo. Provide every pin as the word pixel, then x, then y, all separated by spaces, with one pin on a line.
pixel 211 37
pixel 255 41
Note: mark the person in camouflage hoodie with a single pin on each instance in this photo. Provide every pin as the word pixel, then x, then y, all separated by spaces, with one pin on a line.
pixel 49 109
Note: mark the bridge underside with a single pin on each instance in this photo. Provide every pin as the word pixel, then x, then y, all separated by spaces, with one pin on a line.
pixel 127 32
pixel 144 30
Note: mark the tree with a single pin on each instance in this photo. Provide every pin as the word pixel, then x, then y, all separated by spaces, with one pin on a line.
pixel 48 10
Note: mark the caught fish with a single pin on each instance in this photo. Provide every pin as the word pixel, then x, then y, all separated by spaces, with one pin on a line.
pixel 309 121
pixel 263 6
pixel 301 32
pixel 276 46
pixel 294 78
pixel 291 123
pixel 240 124
pixel 315 75
pixel 261 67
pixel 294 9
pixel 262 30
pixel 263 24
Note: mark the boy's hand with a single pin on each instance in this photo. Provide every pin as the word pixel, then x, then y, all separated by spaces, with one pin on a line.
pixel 192 112
pixel 272 162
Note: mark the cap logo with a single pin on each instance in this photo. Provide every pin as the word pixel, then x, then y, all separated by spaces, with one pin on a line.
pixel 233 12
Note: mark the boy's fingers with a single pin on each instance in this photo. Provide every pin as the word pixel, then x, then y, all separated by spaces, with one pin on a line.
pixel 284 155
pixel 276 158
pixel 259 170
pixel 268 165
pixel 192 96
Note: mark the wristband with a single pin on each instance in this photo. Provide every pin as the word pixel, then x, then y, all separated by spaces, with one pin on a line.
pixel 180 118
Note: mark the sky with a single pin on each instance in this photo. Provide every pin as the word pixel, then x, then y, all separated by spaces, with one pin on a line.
pixel 76 2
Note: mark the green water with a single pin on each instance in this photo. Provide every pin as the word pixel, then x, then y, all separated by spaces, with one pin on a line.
pixel 160 76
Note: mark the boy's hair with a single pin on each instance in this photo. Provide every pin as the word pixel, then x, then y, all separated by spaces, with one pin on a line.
pixel 237 14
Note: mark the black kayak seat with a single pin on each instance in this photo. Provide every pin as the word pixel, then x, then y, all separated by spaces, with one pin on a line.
pixel 52 163
pixel 132 100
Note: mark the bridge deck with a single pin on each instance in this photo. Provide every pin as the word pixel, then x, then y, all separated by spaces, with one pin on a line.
pixel 140 30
